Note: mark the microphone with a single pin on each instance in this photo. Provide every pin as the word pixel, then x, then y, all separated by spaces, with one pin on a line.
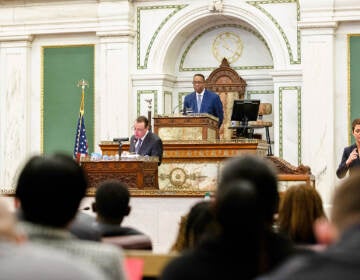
pixel 121 139
pixel 177 106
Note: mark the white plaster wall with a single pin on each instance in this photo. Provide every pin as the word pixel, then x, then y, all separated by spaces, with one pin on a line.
pixel 157 217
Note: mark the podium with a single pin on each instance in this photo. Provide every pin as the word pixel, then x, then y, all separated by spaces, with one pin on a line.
pixel 138 173
pixel 186 127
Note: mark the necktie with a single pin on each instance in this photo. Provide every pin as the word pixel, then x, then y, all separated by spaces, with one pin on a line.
pixel 198 102
pixel 138 145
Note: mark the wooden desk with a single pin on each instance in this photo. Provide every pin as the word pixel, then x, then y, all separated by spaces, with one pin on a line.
pixel 192 168
pixel 138 174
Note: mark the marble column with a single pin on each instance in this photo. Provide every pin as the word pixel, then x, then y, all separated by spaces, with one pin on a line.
pixel 113 89
pixel 318 98
pixel 15 126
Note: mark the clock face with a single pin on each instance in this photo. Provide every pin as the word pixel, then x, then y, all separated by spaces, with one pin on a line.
pixel 228 45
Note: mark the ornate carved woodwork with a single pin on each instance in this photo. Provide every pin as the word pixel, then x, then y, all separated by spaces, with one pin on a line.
pixel 226 82
pixel 225 79
pixel 137 174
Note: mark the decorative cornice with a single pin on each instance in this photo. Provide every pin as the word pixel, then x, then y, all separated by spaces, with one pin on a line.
pixel 287 76
pixel 317 24
pixel 153 80
pixel 117 33
pixel 17 38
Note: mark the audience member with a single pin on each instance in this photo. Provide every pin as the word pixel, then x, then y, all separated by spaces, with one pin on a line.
pixel 49 189
pixel 245 203
pixel 196 226
pixel 24 261
pixel 300 207
pixel 341 260
pixel 112 206
pixel 179 244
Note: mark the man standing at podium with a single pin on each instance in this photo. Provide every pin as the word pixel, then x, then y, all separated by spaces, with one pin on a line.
pixel 203 100
pixel 144 142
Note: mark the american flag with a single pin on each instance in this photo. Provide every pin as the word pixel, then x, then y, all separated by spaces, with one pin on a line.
pixel 81 145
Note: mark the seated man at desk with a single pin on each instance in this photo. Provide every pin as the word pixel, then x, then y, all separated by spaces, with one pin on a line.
pixel 144 142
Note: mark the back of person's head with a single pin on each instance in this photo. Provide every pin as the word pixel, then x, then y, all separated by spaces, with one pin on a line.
pixel 50 189
pixel 200 224
pixel 346 204
pixel 300 207
pixel 261 174
pixel 112 201
pixel 237 208
pixel 180 243
pixel 242 224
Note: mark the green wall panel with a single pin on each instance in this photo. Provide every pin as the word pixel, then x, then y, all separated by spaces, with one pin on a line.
pixel 63 67
pixel 354 47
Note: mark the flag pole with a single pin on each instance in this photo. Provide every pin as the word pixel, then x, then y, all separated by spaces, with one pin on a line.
pixel 83 84
pixel 80 148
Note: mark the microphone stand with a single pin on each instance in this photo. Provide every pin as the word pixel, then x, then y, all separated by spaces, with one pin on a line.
pixel 120 140
pixel 120 148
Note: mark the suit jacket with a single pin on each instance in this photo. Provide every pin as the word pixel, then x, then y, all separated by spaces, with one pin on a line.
pixel 342 169
pixel 82 227
pixel 210 104
pixel 339 261
pixel 151 146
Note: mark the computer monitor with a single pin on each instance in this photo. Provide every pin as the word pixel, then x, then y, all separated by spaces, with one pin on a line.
pixel 245 110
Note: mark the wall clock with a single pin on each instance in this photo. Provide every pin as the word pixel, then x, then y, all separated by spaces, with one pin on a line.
pixel 228 45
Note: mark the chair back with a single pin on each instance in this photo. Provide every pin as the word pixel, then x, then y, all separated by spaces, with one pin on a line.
pixel 131 242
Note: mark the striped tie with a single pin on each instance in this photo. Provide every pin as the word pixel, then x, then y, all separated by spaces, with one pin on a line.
pixel 138 145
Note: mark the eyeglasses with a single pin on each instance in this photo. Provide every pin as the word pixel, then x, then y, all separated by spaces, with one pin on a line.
pixel 138 129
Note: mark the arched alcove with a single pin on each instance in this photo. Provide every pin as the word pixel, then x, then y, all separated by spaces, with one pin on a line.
pixel 195 17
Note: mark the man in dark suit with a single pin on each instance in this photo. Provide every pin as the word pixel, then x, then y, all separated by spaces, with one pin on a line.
pixel 144 142
pixel 203 100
